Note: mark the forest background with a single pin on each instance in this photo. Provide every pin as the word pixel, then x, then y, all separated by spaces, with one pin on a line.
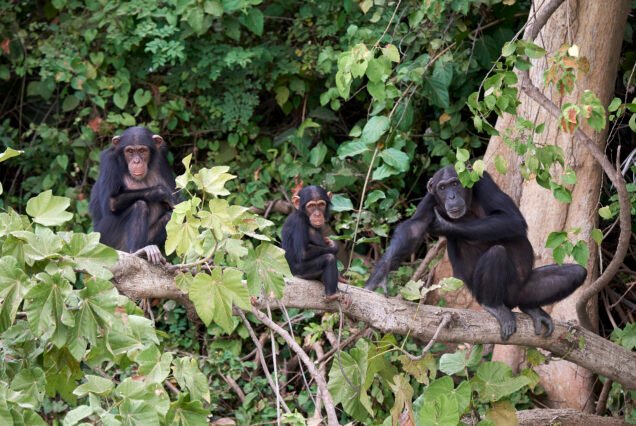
pixel 367 98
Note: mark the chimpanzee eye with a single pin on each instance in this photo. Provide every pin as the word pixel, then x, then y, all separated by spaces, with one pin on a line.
pixel 454 183
pixel 442 187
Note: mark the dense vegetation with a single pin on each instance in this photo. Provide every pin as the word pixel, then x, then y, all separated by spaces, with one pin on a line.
pixel 364 97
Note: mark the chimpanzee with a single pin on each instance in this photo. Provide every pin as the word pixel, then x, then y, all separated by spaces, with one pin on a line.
pixel 310 253
pixel 133 197
pixel 488 250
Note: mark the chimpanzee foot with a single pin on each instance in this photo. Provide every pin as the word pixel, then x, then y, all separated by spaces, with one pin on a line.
pixel 343 298
pixel 540 318
pixel 378 278
pixel 506 319
pixel 151 253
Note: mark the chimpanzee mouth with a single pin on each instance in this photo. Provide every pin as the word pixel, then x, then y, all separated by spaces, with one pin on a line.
pixel 456 213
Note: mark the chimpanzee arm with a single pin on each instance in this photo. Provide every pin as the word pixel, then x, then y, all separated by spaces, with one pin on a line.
pixel 126 198
pixel 407 238
pixel 502 218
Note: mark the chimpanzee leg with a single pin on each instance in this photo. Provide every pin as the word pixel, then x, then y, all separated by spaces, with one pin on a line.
pixel 325 268
pixel 546 285
pixel 137 226
pixel 551 283
pixel 157 233
pixel 493 282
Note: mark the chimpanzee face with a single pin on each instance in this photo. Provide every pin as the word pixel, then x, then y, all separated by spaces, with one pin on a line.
pixel 449 193
pixel 313 201
pixel 316 212
pixel 138 146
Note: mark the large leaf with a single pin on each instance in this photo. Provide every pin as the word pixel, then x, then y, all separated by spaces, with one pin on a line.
pixel 351 149
pixel 27 388
pixel 266 269
pixel 45 308
pixel 98 302
pixel 153 364
pixel 214 294
pixel 91 256
pixel 130 334
pixel 48 209
pixel 182 235
pixel 494 381
pixel 438 412
pixel 396 159
pixel 188 375
pixel 94 384
pixel 187 413
pixel 14 284
pixel 374 129
pixel 43 244
pixel 438 83
pixel 213 180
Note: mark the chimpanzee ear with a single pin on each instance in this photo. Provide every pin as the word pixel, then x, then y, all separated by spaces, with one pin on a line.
pixel 158 141
pixel 296 201
pixel 116 140
pixel 330 194
pixel 429 186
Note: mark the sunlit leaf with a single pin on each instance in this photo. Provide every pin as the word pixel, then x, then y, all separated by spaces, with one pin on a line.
pixel 213 180
pixel 48 209
pixel 266 269
pixel 45 308
pixel 188 375
pixel 494 380
pixel 14 284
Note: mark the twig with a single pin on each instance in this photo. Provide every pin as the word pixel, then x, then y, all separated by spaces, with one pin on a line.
pixel 446 319
pixel 324 358
pixel 235 387
pixel 601 404
pixel 332 418
pixel 438 247
pixel 261 357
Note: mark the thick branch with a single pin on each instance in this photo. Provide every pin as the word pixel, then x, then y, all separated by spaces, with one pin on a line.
pixel 564 417
pixel 391 315
pixel 612 173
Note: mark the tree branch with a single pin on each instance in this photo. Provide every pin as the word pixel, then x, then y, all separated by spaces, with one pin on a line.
pixel 391 315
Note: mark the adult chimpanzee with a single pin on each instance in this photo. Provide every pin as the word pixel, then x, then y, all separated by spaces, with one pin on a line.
pixel 488 249
pixel 310 253
pixel 133 197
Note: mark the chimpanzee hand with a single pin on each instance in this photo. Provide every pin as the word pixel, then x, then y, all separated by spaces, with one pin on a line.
pixel 161 194
pixel 439 225
pixel 151 253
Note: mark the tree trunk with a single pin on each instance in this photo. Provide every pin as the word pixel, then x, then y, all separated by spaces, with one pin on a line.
pixel 597 28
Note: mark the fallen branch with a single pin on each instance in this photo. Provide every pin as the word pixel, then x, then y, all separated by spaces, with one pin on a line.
pixel 564 417
pixel 138 279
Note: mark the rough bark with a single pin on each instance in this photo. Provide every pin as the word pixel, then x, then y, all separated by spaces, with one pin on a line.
pixel 564 417
pixel 391 315
pixel 597 28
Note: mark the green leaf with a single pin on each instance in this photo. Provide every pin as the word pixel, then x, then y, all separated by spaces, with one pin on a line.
pixel 9 153
pixel 98 301
pixel 266 269
pixel 188 375
pixel 27 388
pixel 137 413
pixel 120 99
pixel 494 380
pixel 373 197
pixel 391 52
pixel 508 49
pixel 354 399
pixel 48 209
pixel 154 365
pixel 462 155
pixel 282 95
pixel 45 308
pixel 213 180
pixel 131 335
pixel 555 239
pixel 213 7
pixel 142 97
pixel 378 70
pixel 14 284
pixel 597 236
pixel 453 363
pixel 343 83
pixel 317 154
pixel 187 413
pixel 195 18
pixel 613 106
pixel 70 103
pixel 374 129
pixel 182 237
pixel 605 212
pixel 214 294
pixel 383 172
pixel 396 159
pixel 77 414
pixel 581 253
pixel 351 149
pixel 340 203
pixel 95 385
pixel 438 83
pixel 533 51
pixel 254 21
pixel 439 412
pixel 91 256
